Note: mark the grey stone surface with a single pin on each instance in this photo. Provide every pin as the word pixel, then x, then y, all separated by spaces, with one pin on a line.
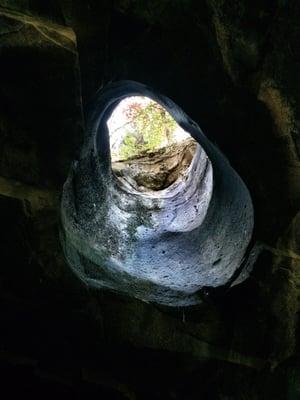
pixel 157 246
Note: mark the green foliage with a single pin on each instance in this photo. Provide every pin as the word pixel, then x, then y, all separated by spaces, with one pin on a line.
pixel 151 127
pixel 128 148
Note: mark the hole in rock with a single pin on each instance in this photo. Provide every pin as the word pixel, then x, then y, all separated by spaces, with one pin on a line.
pixel 152 208
pixel 148 148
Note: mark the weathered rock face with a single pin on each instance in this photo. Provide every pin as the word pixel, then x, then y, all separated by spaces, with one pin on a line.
pixel 162 246
pixel 31 139
pixel 157 170
pixel 233 67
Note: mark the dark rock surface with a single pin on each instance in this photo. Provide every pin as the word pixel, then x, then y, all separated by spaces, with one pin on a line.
pixel 233 67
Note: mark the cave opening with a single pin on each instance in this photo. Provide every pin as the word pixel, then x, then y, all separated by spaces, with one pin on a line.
pixel 148 149
pixel 163 241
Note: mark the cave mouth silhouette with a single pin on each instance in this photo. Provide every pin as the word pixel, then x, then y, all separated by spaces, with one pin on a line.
pixel 165 246
pixel 148 149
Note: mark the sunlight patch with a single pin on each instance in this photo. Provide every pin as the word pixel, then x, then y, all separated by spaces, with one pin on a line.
pixel 148 148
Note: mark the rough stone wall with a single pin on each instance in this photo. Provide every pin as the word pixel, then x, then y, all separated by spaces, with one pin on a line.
pixel 233 67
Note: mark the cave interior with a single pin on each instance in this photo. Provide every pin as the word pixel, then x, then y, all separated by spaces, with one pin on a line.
pixel 232 67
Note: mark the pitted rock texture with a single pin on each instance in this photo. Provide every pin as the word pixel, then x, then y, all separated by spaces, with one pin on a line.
pixel 162 246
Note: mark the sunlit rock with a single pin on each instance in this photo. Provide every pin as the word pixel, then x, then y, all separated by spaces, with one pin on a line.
pixel 161 245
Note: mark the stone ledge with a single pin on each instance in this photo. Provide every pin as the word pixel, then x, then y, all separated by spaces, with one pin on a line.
pixel 36 197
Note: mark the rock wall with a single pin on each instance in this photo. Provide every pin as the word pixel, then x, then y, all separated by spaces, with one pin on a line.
pixel 233 67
